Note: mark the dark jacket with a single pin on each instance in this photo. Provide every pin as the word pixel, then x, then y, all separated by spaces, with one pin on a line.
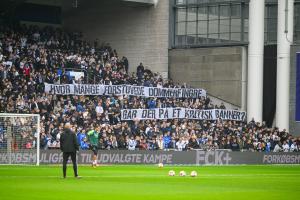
pixel 68 141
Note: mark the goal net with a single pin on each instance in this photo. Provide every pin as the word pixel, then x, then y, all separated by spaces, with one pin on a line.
pixel 19 138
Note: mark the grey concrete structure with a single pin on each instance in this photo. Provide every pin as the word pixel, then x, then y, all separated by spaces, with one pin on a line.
pixel 149 2
pixel 46 2
pixel 294 126
pixel 140 34
pixel 216 69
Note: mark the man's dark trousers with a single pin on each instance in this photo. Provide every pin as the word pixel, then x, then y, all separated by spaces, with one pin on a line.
pixel 66 156
pixel 69 146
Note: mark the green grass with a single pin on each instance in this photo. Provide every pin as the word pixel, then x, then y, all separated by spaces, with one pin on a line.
pixel 151 182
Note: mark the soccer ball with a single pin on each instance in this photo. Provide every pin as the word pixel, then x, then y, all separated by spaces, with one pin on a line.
pixel 160 165
pixel 182 173
pixel 171 173
pixel 194 174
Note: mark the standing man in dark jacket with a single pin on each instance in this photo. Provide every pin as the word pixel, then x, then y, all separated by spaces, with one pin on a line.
pixel 69 146
pixel 125 63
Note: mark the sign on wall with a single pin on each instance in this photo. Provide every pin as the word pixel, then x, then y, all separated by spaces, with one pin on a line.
pixel 197 157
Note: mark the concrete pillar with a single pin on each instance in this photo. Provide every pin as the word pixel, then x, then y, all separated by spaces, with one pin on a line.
pixel 284 40
pixel 255 60
pixel 244 79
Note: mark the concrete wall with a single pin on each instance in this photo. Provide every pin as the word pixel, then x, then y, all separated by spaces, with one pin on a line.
pixel 138 32
pixel 46 2
pixel 294 126
pixel 216 69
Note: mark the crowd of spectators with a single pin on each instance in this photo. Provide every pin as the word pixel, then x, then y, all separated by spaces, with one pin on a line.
pixel 31 56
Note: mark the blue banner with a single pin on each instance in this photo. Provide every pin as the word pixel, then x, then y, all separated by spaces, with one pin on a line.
pixel 298 87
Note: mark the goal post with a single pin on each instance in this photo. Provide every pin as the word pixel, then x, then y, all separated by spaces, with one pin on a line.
pixel 19 139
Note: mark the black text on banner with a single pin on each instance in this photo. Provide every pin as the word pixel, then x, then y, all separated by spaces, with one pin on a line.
pixel 131 90
pixel 182 113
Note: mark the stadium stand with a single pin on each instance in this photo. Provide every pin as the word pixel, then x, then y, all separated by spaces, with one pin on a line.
pixel 31 56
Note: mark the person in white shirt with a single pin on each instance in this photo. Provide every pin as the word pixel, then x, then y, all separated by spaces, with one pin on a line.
pixel 285 147
pixel 23 41
pixel 181 144
pixel 148 129
pixel 294 147
pixel 99 108
pixel 277 147
pixel 131 143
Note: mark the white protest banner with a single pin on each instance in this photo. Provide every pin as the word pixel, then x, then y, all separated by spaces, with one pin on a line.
pixel 182 113
pixel 131 90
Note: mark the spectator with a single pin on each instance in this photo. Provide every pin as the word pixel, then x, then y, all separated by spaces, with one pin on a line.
pixel 277 147
pixel 131 143
pixel 234 145
pixel 193 144
pixel 167 140
pixel 82 140
pixel 30 57
pixel 181 144
pixel 294 147
pixel 285 147
pixel 99 108
pixel 125 63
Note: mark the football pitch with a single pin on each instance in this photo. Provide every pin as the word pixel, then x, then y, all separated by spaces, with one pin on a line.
pixel 150 182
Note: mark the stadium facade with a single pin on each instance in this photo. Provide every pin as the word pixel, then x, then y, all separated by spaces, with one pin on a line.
pixel 241 51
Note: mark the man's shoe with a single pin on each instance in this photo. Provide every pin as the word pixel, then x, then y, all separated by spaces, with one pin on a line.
pixel 78 177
